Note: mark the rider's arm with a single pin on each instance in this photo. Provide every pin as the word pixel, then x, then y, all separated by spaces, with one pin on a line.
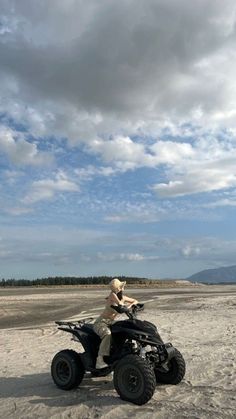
pixel 113 299
pixel 132 301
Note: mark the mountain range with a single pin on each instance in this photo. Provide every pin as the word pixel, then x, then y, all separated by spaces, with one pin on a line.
pixel 225 274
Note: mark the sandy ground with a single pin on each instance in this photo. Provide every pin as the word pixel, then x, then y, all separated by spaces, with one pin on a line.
pixel 199 321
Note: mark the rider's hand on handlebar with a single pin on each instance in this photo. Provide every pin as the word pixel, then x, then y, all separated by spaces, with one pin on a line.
pixel 133 303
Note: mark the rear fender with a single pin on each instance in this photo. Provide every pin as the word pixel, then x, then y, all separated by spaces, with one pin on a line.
pixel 75 335
pixel 72 331
pixel 80 336
pixel 66 329
pixel 88 357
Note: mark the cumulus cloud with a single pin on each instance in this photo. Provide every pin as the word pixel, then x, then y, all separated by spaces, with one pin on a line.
pixel 177 63
pixel 19 151
pixel 45 189
pixel 206 165
pixel 211 167
pixel 125 153
pixel 124 71
pixel 170 152
pixel 195 182
pixel 121 150
pixel 90 171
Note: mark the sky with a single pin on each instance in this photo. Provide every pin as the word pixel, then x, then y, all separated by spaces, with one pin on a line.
pixel 117 137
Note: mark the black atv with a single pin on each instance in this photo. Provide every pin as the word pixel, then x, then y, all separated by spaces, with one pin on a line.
pixel 138 357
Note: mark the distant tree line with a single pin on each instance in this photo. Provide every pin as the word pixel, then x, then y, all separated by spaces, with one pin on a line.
pixel 70 280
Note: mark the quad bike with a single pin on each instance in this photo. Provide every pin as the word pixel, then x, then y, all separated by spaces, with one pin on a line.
pixel 138 356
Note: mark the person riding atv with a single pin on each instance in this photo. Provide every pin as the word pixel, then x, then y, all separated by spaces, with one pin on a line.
pixel 107 317
pixel 138 356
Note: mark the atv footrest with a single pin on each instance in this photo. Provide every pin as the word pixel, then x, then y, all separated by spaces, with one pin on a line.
pixel 101 372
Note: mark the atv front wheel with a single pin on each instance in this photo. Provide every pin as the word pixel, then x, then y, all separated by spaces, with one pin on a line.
pixel 134 379
pixel 67 369
pixel 173 372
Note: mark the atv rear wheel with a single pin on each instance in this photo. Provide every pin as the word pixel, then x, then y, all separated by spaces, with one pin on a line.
pixel 134 379
pixel 173 372
pixel 67 369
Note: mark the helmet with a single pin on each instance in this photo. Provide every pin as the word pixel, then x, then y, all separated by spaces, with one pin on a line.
pixel 117 285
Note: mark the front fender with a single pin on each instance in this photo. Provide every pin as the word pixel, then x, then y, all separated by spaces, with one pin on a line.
pixel 170 352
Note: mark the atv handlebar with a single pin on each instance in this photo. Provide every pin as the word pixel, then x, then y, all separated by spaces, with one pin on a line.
pixel 120 308
pixel 131 312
